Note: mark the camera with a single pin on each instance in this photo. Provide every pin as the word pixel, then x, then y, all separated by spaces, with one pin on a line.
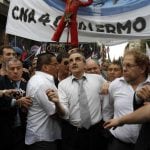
pixel 19 93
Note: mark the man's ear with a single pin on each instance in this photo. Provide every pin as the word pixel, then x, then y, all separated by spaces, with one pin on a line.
pixel 143 69
pixel 44 68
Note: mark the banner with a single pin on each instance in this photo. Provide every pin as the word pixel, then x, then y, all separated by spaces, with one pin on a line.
pixel 108 21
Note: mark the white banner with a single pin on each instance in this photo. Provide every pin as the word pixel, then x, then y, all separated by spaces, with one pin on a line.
pixel 107 23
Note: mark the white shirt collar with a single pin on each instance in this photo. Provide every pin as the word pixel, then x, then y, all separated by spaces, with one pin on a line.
pixel 144 82
pixel 48 76
pixel 73 77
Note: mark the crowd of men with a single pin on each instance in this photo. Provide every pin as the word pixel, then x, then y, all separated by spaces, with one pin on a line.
pixel 66 102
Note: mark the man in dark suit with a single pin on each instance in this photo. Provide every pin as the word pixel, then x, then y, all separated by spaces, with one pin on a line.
pixel 7 52
pixel 13 108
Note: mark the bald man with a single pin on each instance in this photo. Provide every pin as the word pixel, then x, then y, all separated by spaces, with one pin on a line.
pixel 92 67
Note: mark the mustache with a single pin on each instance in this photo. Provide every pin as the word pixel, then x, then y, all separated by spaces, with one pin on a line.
pixel 74 66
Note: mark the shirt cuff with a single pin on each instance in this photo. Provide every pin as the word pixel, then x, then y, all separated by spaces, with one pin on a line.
pixel 13 102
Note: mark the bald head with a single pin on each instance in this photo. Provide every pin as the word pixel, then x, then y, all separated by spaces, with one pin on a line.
pixel 92 66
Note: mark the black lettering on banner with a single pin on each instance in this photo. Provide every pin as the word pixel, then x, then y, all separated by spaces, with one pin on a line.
pixel 82 26
pixel 138 21
pixel 121 27
pixel 23 14
pixel 31 16
pixel 44 19
pixel 90 27
pixel 15 9
pixel 57 20
pixel 99 28
pixel 27 15
pixel 110 28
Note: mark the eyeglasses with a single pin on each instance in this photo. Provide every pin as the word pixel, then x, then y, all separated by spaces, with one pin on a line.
pixel 55 64
pixel 128 66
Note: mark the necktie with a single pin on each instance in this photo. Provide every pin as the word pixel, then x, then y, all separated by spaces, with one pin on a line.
pixel 84 108
pixel 17 121
pixel 14 85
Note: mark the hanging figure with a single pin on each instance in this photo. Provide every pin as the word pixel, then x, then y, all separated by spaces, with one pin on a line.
pixel 69 20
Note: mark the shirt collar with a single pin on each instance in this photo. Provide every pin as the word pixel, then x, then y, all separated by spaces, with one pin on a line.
pixel 147 81
pixel 73 78
pixel 143 83
pixel 46 75
pixel 122 79
pixel 17 83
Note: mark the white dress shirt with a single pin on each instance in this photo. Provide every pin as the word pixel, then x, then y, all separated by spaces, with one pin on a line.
pixel 68 95
pixel 40 125
pixel 121 99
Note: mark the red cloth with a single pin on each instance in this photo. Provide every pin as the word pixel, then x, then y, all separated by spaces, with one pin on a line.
pixel 71 7
pixel 24 55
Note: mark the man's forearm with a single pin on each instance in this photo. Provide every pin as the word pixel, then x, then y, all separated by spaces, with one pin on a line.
pixel 59 109
pixel 141 115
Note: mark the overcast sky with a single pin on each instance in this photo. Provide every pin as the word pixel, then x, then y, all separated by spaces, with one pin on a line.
pixel 116 51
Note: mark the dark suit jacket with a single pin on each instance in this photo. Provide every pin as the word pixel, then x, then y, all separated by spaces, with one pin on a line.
pixel 8 113
pixel 143 141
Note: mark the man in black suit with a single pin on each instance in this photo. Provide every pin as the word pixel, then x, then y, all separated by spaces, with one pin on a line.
pixel 13 108
pixel 7 52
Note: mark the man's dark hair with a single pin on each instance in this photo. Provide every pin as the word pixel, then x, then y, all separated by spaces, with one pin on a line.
pixel 117 62
pixel 43 59
pixel 5 46
pixel 61 56
pixel 78 52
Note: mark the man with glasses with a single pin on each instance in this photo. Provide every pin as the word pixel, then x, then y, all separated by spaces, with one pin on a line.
pixel 141 115
pixel 42 129
pixel 121 93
